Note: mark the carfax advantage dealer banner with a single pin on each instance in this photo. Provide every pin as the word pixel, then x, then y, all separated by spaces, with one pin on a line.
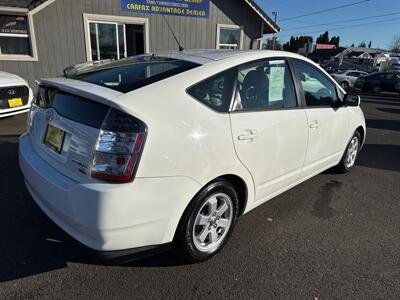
pixel 186 8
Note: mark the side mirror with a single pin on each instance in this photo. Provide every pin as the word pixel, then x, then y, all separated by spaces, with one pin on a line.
pixel 352 100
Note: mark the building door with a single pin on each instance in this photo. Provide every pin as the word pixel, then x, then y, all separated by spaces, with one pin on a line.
pixel 111 40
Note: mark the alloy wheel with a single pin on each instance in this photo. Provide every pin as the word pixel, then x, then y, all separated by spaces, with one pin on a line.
pixel 352 152
pixel 213 222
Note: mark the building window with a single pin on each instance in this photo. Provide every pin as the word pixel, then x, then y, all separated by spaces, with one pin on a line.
pixel 109 37
pixel 229 37
pixel 14 36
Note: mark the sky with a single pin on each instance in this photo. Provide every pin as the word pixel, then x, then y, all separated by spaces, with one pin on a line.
pixel 380 30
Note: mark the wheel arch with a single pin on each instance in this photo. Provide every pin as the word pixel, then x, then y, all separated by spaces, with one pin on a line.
pixel 240 187
pixel 238 183
pixel 361 130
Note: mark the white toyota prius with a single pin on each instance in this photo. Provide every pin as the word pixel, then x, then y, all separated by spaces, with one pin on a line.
pixel 169 149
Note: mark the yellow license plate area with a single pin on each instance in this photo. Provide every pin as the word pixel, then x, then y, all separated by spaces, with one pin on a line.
pixel 15 102
pixel 54 138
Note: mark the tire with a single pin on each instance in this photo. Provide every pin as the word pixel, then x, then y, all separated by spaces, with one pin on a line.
pixel 200 223
pixel 345 85
pixel 376 89
pixel 350 154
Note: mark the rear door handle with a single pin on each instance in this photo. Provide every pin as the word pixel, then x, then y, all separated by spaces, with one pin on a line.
pixel 250 135
pixel 314 125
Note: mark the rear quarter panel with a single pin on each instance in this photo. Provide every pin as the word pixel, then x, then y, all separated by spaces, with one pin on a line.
pixel 185 138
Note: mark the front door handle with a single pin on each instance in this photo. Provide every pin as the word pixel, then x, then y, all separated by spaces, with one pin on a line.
pixel 250 135
pixel 314 125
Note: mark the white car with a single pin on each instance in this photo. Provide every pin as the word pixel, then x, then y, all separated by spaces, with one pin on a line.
pixel 15 95
pixel 347 78
pixel 171 148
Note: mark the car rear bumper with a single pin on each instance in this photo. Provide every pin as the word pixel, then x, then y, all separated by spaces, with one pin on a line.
pixel 107 217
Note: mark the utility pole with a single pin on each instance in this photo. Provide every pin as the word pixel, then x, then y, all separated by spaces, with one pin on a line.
pixel 275 13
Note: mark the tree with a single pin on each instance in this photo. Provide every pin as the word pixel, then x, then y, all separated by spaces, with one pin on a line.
pixel 370 44
pixel 323 38
pixel 335 40
pixel 295 43
pixel 352 45
pixel 394 45
pixel 362 44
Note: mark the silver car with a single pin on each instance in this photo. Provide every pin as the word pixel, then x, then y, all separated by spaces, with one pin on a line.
pixel 347 78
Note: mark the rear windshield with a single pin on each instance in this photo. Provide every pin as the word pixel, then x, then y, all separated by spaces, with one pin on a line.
pixel 130 74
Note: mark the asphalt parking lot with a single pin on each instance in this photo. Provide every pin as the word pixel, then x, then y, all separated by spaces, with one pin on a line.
pixel 334 236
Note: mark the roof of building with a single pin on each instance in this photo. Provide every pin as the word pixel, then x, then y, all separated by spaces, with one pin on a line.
pixel 326 53
pixel 267 20
pixel 365 49
pixel 353 51
pixel 31 4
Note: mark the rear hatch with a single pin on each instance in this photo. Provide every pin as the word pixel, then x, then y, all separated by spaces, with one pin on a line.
pixel 76 121
pixel 65 122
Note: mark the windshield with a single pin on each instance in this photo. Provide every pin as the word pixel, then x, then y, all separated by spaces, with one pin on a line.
pixel 130 74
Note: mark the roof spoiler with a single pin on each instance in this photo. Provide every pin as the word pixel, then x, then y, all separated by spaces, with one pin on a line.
pixel 79 68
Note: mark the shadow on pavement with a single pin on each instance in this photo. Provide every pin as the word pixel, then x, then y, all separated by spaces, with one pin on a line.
pixel 389 110
pixel 383 124
pixel 385 102
pixel 30 243
pixel 376 156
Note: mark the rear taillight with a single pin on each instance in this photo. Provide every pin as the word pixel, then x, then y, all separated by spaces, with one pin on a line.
pixel 118 148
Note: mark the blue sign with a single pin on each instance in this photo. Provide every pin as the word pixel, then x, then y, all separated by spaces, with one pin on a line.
pixel 185 8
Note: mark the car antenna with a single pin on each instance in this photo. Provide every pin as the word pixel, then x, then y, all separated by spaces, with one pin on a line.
pixel 170 28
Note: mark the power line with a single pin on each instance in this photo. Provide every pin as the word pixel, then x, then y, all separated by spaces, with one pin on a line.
pixel 377 23
pixel 324 10
pixel 342 21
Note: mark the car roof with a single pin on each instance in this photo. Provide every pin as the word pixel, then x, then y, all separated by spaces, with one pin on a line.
pixel 204 56
pixel 198 57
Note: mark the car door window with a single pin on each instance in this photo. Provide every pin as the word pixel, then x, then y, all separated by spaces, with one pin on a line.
pixel 386 76
pixel 216 92
pixel 318 89
pixel 264 85
pixel 355 74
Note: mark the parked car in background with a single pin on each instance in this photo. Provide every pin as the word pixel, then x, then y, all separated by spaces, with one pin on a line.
pixel 15 95
pixel 379 82
pixel 172 147
pixel 394 68
pixel 347 78
pixel 330 68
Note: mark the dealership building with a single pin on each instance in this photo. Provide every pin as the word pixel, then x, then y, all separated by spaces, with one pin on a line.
pixel 41 38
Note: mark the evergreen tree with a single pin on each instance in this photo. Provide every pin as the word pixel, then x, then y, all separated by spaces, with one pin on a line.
pixel 323 38
pixel 335 40
pixel 295 43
